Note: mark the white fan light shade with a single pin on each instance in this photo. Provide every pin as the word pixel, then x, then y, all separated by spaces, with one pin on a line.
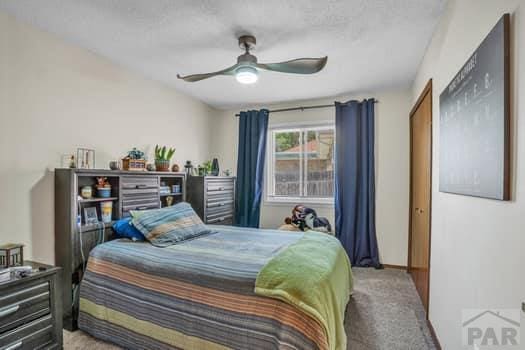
pixel 246 75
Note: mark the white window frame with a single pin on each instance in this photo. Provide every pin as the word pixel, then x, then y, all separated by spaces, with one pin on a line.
pixel 269 198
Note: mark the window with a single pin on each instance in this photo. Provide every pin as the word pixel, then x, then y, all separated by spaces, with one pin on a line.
pixel 301 164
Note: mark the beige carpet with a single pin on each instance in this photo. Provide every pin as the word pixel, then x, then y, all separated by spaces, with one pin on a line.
pixel 384 314
pixel 79 340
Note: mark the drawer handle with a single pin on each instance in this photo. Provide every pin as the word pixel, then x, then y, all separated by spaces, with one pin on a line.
pixel 8 311
pixel 142 208
pixel 221 219
pixel 14 346
pixel 140 186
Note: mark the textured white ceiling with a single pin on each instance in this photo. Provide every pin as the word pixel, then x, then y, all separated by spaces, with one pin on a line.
pixel 370 44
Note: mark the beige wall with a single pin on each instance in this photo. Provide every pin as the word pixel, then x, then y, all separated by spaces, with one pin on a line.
pixel 477 244
pixel 54 98
pixel 392 144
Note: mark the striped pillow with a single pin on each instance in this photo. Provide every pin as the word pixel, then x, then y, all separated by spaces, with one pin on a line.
pixel 170 225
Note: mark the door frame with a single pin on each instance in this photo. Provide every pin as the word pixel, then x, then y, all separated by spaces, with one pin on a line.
pixel 427 90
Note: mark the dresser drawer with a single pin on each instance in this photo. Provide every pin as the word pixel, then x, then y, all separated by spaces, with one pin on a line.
pixel 34 335
pixel 134 187
pixel 23 305
pixel 146 191
pixel 150 205
pixel 221 220
pixel 219 210
pixel 219 185
pixel 140 203
pixel 218 216
pixel 40 340
pixel 139 182
pixel 14 294
pixel 218 197
pixel 140 198
pixel 219 202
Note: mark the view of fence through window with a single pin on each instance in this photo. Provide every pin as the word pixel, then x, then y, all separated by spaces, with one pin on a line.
pixel 303 162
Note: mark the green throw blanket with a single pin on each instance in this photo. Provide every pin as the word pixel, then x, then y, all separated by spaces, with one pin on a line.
pixel 315 275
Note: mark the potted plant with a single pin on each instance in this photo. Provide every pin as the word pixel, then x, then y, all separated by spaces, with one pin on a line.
pixel 162 157
pixel 134 161
pixel 205 168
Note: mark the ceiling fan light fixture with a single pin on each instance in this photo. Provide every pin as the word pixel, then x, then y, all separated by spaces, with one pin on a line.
pixel 246 75
pixel 247 68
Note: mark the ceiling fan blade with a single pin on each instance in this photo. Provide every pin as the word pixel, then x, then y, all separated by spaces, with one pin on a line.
pixel 196 77
pixel 298 66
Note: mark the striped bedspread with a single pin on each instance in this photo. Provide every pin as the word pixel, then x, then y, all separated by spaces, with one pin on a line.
pixel 195 295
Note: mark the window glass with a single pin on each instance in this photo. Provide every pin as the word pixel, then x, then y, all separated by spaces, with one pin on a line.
pixel 301 163
pixel 287 160
pixel 319 151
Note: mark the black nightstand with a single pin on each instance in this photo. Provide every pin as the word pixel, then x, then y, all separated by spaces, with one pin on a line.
pixel 31 310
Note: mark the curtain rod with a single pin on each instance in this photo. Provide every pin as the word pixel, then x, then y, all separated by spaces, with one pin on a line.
pixel 303 108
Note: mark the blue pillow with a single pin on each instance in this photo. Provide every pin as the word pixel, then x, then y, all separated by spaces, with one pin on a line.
pixel 124 229
pixel 170 225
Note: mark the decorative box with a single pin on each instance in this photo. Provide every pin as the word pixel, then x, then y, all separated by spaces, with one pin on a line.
pixel 11 255
pixel 134 164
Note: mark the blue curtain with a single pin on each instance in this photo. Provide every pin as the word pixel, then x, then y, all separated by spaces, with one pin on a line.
pixel 354 182
pixel 253 126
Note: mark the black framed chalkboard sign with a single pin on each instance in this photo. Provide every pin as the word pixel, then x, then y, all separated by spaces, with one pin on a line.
pixel 474 122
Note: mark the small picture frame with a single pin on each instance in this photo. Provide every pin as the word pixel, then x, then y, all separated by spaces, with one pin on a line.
pixel 11 254
pixel 90 215
pixel 85 158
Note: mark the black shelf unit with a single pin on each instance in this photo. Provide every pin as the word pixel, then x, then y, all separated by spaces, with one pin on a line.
pixel 130 190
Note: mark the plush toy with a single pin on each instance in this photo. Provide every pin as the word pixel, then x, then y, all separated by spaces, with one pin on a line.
pixel 306 218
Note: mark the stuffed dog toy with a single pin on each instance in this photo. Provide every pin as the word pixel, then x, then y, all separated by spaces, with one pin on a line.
pixel 306 219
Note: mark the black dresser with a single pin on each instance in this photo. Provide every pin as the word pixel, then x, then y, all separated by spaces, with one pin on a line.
pixel 212 197
pixel 30 310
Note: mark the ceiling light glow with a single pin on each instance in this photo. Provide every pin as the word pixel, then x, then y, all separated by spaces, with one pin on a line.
pixel 246 75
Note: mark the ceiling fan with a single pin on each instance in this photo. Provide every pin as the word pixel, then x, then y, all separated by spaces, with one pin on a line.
pixel 247 68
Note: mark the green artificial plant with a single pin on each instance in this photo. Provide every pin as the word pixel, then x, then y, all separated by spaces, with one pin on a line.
pixel 163 153
pixel 207 165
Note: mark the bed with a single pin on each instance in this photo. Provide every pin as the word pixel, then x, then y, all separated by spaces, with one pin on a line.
pixel 210 292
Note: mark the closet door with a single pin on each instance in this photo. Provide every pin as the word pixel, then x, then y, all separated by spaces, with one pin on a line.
pixel 420 193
